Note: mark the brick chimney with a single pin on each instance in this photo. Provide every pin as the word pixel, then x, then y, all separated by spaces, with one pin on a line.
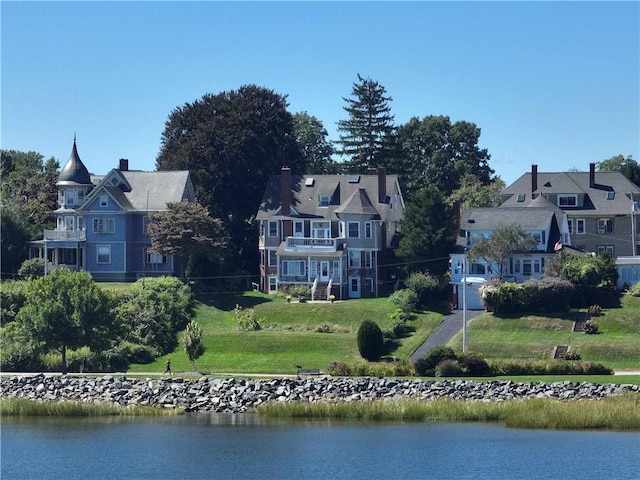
pixel 382 184
pixel 534 179
pixel 285 191
pixel 123 165
pixel 592 175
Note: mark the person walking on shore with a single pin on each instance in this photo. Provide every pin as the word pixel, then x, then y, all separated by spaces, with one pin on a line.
pixel 168 369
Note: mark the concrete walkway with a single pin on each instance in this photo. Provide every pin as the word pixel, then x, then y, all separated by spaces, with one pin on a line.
pixel 451 324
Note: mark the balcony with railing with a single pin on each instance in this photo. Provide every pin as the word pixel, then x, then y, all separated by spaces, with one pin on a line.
pixel 307 244
pixel 65 235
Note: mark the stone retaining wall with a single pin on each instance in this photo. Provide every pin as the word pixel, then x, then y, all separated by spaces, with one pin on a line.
pixel 238 395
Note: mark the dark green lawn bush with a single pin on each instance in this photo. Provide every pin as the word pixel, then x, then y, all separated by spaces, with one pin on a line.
pixel 551 294
pixel 427 288
pixel 370 340
pixel 551 367
pixel 426 367
pixel 405 299
pixel 12 298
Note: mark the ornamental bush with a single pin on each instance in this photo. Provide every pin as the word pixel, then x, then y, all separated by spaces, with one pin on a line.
pixel 404 299
pixel 370 340
pixel 550 294
pixel 426 287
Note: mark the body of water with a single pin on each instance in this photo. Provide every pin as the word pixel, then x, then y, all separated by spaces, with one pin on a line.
pixel 250 447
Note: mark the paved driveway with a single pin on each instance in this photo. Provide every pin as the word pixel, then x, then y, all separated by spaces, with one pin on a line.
pixel 451 324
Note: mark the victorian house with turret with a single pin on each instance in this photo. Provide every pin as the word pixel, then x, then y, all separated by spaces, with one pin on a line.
pixel 101 220
pixel 332 233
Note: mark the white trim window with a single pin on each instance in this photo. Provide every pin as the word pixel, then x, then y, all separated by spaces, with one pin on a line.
pixel 103 254
pixel 605 226
pixel 298 228
pixel 273 284
pixel 567 200
pixel 294 267
pixel 273 228
pixel 324 200
pixel 368 229
pixel 104 200
pixel 581 226
pixel 321 229
pixel 540 236
pixel 353 229
pixel 155 258
pixel 273 259
pixel 104 225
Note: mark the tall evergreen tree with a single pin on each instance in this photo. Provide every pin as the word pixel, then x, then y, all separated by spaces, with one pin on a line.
pixel 366 134
pixel 427 232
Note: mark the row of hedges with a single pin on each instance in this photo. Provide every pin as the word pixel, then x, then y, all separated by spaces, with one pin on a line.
pixel 548 295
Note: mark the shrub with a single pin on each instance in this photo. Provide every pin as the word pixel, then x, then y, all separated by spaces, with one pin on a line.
pixel 246 319
pixel 474 365
pixel 448 368
pixel 438 354
pixel 32 268
pixel 590 327
pixel 370 340
pixel 571 356
pixel 404 299
pixel 426 287
pixel 595 311
pixel 324 328
pixel 550 367
pixel 339 369
pixel 547 295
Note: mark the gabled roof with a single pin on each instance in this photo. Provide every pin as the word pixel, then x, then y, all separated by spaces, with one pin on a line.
pixel 348 194
pixel 357 203
pixel 74 171
pixel 141 191
pixel 609 194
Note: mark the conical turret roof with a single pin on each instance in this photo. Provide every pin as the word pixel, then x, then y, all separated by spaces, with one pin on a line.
pixel 74 172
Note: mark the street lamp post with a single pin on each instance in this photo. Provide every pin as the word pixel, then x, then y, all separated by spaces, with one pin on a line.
pixel 464 303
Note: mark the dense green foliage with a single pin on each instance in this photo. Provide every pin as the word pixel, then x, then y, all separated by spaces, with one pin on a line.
pixel 366 134
pixel 315 148
pixel 230 143
pixel 405 299
pixel 28 197
pixel 438 153
pixel 67 310
pixel 595 279
pixel 428 288
pixel 370 340
pixel 427 232
pixel 472 193
pixel 154 310
pixel 547 295
pixel 426 366
pixel 627 166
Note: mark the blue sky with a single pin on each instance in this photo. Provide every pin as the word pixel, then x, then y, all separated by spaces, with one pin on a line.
pixel 555 84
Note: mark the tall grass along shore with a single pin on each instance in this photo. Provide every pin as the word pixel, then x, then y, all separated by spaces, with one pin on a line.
pixel 612 413
pixel 22 407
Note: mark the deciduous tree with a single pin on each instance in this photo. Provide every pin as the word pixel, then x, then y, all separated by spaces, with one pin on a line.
pixel 503 243
pixel 475 194
pixel 625 165
pixel 314 146
pixel 67 310
pixel 192 339
pixel 231 142
pixel 437 152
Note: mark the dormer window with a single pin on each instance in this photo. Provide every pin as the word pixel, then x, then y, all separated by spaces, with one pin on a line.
pixel 324 200
pixel 521 197
pixel 611 195
pixel 567 200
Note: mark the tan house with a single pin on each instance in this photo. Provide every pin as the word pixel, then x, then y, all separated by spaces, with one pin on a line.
pixel 330 232
pixel 600 206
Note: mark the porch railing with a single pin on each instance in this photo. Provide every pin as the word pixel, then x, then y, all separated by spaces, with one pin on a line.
pixel 65 235
pixel 312 244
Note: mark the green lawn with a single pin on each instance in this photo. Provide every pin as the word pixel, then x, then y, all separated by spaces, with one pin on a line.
pixel 289 335
pixel 534 337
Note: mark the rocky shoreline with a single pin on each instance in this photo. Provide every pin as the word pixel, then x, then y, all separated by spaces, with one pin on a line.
pixel 239 395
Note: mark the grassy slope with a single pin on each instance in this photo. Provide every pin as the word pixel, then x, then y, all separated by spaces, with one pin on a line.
pixel 534 337
pixel 288 337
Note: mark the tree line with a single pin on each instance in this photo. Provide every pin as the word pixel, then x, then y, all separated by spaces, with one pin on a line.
pixel 232 141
